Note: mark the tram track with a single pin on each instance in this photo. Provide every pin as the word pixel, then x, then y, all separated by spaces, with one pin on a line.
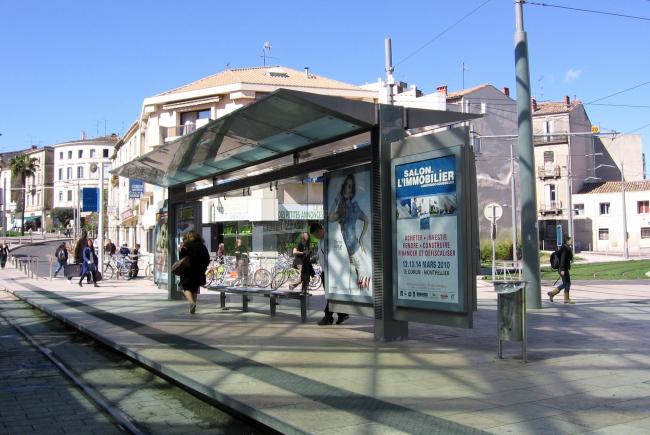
pixel 136 399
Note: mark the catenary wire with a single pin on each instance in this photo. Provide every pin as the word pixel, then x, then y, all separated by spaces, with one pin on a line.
pixel 463 18
pixel 587 10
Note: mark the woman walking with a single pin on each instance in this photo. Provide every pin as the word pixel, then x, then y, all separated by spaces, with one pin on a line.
pixel 61 255
pixel 193 247
pixel 4 253
pixel 89 264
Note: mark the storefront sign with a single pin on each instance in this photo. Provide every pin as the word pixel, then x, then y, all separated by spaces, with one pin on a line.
pixel 300 212
pixel 126 214
pixel 232 209
pixel 136 188
pixel 427 231
pixel 349 262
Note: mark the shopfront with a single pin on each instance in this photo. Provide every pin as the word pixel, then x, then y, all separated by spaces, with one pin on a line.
pixel 257 178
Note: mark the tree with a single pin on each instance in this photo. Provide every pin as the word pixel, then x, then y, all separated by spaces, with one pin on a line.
pixel 23 166
pixel 62 215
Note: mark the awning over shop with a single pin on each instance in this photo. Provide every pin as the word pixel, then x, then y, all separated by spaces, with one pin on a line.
pixel 279 124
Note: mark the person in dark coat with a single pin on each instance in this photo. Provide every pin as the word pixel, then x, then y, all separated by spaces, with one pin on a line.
pixel 4 254
pixel 194 248
pixel 89 264
pixel 61 256
pixel 566 258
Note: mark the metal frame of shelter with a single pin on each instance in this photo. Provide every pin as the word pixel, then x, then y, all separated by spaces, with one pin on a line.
pixel 287 134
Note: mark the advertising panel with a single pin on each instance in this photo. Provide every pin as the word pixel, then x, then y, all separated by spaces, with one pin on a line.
pixel 136 188
pixel 347 215
pixel 90 199
pixel 427 232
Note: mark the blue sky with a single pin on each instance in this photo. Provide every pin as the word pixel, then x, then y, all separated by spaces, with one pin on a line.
pixel 69 66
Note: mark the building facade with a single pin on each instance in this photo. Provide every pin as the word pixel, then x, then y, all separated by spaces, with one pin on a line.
pixel 599 209
pixel 76 166
pixel 38 190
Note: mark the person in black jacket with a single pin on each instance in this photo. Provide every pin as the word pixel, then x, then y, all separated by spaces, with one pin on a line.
pixel 61 255
pixel 4 254
pixel 191 281
pixel 566 258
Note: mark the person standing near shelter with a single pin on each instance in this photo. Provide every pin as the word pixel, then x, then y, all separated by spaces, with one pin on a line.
pixel 89 265
pixel 78 250
pixel 566 258
pixel 241 255
pixel 135 256
pixel 61 255
pixel 4 253
pixel 194 248
pixel 300 257
pixel 110 247
pixel 320 256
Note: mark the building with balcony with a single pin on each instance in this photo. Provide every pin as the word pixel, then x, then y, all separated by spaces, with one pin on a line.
pixel 175 113
pixel 10 186
pixel 38 190
pixel 598 207
pixel 74 162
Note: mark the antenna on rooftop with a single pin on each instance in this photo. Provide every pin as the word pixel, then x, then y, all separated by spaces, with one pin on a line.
pixel 265 52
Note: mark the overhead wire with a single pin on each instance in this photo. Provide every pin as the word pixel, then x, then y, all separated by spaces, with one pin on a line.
pixel 447 29
pixel 592 11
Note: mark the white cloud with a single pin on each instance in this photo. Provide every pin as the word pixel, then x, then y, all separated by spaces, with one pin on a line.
pixel 572 74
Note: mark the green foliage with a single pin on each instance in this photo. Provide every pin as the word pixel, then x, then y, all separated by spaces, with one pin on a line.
pixel 21 167
pixel 62 215
pixel 503 251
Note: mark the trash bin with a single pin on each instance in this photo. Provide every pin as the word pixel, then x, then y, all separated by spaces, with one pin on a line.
pixel 511 314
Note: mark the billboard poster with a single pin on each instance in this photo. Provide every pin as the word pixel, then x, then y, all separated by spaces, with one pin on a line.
pixel 426 233
pixel 90 199
pixel 136 188
pixel 347 215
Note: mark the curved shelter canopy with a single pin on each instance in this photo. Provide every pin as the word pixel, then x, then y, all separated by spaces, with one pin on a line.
pixel 279 124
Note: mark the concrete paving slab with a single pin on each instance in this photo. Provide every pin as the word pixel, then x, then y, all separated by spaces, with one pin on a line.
pixel 306 378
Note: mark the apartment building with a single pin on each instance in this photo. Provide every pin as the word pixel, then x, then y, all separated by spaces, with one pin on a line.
pixel 599 209
pixel 38 190
pixel 76 166
pixel 172 114
pixel 8 184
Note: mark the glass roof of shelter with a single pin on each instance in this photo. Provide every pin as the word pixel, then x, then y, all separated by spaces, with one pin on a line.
pixel 279 124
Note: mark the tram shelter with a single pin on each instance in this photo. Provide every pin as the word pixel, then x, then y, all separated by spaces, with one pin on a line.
pixel 394 188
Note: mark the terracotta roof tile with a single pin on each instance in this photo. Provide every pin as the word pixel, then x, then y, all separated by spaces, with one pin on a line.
pixel 549 107
pixel 268 75
pixel 461 93
pixel 615 186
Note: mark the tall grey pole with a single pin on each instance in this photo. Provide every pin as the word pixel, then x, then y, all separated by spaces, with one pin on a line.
pixel 390 80
pixel 100 248
pixel 570 193
pixel 626 251
pixel 513 194
pixel 529 231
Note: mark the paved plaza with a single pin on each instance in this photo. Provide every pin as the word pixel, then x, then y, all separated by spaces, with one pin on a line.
pixel 588 369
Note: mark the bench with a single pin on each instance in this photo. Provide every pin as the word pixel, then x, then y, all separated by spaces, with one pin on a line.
pixel 249 292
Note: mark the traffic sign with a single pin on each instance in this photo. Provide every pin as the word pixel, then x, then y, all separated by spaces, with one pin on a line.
pixel 595 129
pixel 493 211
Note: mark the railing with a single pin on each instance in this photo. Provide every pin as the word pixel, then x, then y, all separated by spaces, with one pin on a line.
pixel 175 131
pixel 544 172
pixel 552 207
pixel 550 139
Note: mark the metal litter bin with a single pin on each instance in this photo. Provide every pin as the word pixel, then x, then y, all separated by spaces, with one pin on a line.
pixel 511 314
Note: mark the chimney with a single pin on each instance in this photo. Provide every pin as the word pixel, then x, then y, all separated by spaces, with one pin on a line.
pixel 534 104
pixel 307 72
pixel 506 91
pixel 442 90
pixel 34 146
pixel 567 101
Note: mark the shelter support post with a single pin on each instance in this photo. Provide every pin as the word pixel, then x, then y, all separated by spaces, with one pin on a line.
pixel 390 129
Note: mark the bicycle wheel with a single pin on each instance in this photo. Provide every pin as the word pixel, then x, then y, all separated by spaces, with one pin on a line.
pixel 315 282
pixel 293 276
pixel 278 279
pixel 262 278
pixel 109 270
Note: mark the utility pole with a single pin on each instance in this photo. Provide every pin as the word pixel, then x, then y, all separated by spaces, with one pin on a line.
pixel 100 236
pixel 513 194
pixel 570 191
pixel 390 80
pixel 529 229
pixel 626 252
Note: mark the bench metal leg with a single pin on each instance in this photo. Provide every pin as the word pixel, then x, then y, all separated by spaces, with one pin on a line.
pixel 303 308
pixel 244 303
pixel 273 304
pixel 222 299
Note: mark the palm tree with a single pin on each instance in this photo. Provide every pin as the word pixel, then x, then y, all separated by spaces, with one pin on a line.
pixel 23 166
